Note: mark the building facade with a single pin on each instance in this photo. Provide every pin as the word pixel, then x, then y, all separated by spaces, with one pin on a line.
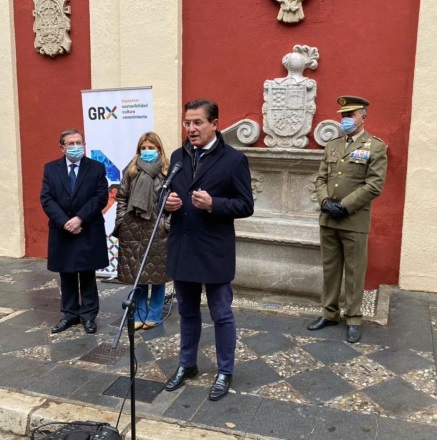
pixel 225 51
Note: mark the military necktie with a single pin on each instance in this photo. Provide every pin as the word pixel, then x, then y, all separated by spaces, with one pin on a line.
pixel 349 140
pixel 72 177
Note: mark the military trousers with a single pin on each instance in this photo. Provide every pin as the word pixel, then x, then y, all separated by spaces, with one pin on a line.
pixel 343 251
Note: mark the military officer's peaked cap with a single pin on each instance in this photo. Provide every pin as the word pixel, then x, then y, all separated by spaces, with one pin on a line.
pixel 351 103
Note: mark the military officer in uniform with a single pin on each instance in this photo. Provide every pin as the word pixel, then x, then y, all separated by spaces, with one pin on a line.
pixel 351 174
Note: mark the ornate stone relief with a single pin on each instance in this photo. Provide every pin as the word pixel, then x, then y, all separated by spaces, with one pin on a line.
pixel 289 103
pixel 291 11
pixel 257 183
pixel 242 133
pixel 51 27
pixel 311 188
pixel 327 130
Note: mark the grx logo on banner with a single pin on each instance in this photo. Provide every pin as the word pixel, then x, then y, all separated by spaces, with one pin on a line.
pixel 111 112
pixel 101 113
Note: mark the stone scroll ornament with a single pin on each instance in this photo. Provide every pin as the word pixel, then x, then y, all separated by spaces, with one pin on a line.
pixel 51 27
pixel 291 11
pixel 289 103
pixel 326 131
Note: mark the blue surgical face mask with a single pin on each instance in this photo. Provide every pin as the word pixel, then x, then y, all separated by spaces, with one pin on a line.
pixel 149 155
pixel 75 153
pixel 347 125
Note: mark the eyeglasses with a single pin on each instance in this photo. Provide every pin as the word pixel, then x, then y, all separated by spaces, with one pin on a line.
pixel 196 123
pixel 72 144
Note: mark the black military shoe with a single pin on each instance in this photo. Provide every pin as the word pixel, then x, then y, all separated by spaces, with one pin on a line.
pixel 180 376
pixel 353 333
pixel 320 323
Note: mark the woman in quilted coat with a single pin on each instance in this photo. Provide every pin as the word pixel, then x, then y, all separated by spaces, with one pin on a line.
pixel 137 211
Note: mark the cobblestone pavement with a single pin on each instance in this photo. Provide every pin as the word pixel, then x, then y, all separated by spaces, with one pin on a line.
pixel 289 383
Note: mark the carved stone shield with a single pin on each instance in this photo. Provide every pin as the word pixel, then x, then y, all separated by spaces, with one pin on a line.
pixel 289 103
pixel 286 113
pixel 51 27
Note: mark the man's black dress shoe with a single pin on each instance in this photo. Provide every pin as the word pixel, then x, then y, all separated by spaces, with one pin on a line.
pixel 320 323
pixel 90 326
pixel 221 386
pixel 179 378
pixel 64 324
pixel 353 333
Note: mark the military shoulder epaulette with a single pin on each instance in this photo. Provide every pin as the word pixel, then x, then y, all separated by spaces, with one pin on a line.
pixel 376 137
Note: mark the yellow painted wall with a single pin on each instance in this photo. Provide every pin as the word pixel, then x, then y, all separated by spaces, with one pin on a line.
pixel 418 270
pixel 11 204
pixel 138 43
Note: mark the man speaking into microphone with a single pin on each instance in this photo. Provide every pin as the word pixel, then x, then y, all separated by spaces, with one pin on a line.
pixel 212 189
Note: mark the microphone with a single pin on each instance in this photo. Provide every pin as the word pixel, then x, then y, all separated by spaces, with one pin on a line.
pixel 177 167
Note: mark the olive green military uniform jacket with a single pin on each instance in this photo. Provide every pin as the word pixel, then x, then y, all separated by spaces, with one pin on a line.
pixel 353 175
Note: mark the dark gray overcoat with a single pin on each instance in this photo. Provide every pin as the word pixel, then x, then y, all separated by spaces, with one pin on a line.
pixel 86 251
pixel 201 245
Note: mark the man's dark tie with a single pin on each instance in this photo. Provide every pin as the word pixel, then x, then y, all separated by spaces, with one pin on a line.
pixel 197 153
pixel 72 177
pixel 349 140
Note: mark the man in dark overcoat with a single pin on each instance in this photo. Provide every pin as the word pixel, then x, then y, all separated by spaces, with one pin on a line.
pixel 213 189
pixel 74 192
pixel 351 175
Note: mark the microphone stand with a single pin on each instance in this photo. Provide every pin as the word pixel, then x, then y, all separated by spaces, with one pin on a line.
pixel 129 306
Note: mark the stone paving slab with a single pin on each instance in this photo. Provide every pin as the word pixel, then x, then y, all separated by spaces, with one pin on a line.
pixel 21 413
pixel 289 383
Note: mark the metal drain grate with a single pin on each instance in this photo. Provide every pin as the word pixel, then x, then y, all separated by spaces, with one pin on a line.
pixel 145 390
pixel 271 306
pixel 105 354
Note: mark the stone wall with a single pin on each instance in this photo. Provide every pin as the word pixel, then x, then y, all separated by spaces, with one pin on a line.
pixel 278 248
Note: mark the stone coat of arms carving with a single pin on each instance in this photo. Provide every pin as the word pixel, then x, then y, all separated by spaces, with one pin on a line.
pixel 51 27
pixel 289 103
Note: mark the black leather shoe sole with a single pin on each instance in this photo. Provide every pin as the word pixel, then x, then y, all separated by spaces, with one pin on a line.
pixel 179 378
pixel 320 323
pixel 64 325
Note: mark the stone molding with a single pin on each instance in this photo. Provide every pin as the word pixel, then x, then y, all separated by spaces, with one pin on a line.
pixel 241 134
pixel 326 131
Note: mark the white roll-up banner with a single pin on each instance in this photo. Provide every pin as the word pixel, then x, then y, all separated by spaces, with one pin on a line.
pixel 114 120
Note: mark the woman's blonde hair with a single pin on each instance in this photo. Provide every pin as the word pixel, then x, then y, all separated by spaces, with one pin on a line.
pixel 155 140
